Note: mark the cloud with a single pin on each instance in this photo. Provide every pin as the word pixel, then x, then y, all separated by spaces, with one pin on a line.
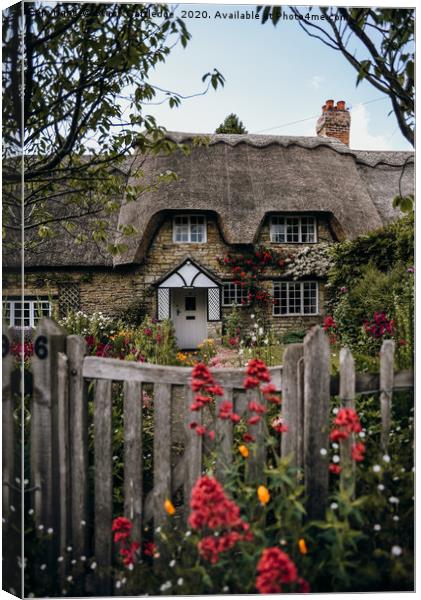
pixel 361 138
pixel 316 81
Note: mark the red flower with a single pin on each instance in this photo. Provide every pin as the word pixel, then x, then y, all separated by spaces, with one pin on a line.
pixel 254 420
pixel 121 524
pixel 213 510
pixel 129 553
pixel 357 451
pixel 256 407
pixel 335 469
pixel 402 342
pixel 347 421
pixel 149 548
pixel 274 569
pixel 247 437
pixel 279 425
pixel 329 323
pixel 235 418
pixel 200 430
pixel 225 409
pixel 251 382
pixel 303 586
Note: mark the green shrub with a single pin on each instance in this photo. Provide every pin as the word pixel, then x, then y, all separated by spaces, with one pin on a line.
pixel 293 337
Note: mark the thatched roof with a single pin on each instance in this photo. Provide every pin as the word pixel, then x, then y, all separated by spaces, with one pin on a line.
pixel 242 178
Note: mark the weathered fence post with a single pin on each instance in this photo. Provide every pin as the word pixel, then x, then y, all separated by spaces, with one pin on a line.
pixel 224 438
pixel 133 456
pixel 193 450
pixel 316 420
pixel 292 409
pixel 256 462
pixel 103 483
pixel 78 446
pixel 64 462
pixel 162 450
pixel 347 396
pixel 8 443
pixel 49 340
pixel 387 353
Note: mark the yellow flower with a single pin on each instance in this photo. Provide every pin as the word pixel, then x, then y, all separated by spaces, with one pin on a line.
pixel 244 451
pixel 302 546
pixel 263 494
pixel 169 507
pixel 182 356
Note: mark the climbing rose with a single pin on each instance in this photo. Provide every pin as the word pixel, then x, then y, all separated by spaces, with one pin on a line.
pixel 274 569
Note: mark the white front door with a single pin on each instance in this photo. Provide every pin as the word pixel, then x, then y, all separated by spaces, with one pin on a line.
pixel 188 314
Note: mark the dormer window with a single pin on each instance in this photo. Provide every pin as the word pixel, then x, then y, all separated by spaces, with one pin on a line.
pixel 189 229
pixel 293 230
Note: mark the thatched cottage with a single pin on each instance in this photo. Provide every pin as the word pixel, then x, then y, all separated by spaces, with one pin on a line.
pixel 232 195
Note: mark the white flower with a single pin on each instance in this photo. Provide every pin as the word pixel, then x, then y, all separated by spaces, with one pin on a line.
pixel 69 578
pixel 118 584
pixel 335 411
pixel 256 325
pixel 73 561
pixel 130 566
pixel 83 558
pixel 266 342
pixel 323 451
pixel 40 527
pixel 377 468
pixel 334 506
pixel 43 567
pixel 172 563
pixel 377 527
pixel 380 487
pixel 60 559
pixel 31 511
pixel 93 566
pixel 336 458
pixel 180 581
pixel 158 530
pixel 165 586
pixel 335 446
pixel 69 548
pixel 188 533
pixel 362 434
pixel 251 316
pixel 386 458
pixel 50 530
pixel 396 550
pixel 225 588
pixel 396 478
pixel 83 523
pixel 12 508
pixel 393 500
pixel 395 518
pixel 253 338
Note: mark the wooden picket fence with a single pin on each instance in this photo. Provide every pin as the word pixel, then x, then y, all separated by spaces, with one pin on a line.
pixel 58 441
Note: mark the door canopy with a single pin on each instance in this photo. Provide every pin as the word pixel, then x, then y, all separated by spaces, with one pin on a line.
pixel 188 275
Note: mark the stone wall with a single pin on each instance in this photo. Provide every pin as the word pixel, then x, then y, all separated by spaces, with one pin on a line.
pixel 114 291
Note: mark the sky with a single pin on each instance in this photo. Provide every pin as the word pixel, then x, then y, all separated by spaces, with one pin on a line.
pixel 274 77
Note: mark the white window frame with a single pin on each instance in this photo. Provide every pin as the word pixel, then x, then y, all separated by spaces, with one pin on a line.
pixel 301 313
pixel 299 220
pixel 189 225
pixel 33 317
pixel 238 292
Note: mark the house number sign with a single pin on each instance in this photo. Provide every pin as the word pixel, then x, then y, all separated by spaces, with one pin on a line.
pixel 41 347
pixel 6 345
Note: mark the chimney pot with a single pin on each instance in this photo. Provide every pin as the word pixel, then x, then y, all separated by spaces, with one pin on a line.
pixel 335 121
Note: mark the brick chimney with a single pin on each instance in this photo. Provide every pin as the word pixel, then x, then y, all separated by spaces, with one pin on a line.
pixel 335 121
